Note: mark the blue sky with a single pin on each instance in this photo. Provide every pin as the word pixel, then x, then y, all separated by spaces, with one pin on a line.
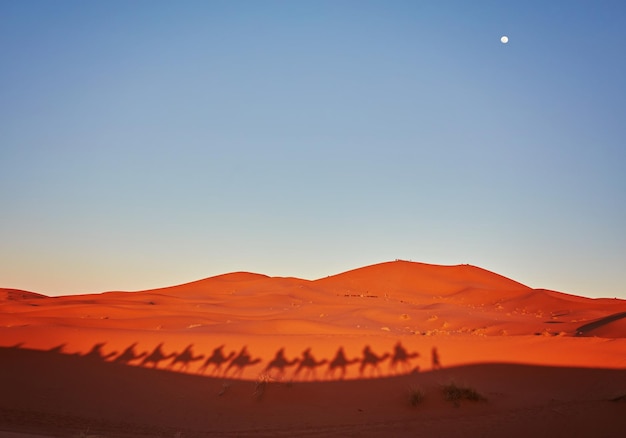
pixel 151 143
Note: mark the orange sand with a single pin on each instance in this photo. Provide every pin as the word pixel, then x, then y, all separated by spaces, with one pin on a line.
pixel 147 363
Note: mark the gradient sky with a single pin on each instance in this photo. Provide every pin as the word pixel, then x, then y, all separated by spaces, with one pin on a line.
pixel 152 143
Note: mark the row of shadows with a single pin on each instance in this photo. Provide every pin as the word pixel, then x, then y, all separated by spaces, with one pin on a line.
pixel 233 364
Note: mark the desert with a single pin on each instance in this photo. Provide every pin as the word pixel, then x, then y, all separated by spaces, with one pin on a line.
pixel 398 348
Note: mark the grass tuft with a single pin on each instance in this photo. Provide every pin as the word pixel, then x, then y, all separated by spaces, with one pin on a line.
pixel 455 393
pixel 416 396
pixel 261 386
pixel 225 386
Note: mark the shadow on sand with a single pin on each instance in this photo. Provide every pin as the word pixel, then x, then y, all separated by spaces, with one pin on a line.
pixel 234 365
pixel 68 394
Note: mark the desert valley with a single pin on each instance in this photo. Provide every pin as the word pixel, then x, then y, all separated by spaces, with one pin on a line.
pixel 393 349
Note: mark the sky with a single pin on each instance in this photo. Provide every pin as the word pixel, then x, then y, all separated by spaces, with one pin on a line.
pixel 145 144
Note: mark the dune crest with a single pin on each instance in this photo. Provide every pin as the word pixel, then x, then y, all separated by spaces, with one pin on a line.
pixel 17 295
pixel 400 297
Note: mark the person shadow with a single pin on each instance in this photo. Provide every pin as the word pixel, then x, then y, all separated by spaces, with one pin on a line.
pixel 96 353
pixel 371 360
pixel 279 363
pixel 156 356
pixel 185 358
pixel 309 363
pixel 340 362
pixel 401 357
pixel 240 362
pixel 129 355
pixel 218 358
pixel 434 359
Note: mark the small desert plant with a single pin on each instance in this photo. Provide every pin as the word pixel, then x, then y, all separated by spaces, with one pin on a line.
pixel 416 396
pixel 456 393
pixel 225 387
pixel 261 385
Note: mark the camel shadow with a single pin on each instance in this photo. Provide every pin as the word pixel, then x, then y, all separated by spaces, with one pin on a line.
pixel 240 362
pixel 309 364
pixel 157 356
pixel 279 363
pixel 340 362
pixel 402 358
pixel 96 353
pixel 234 365
pixel 218 358
pixel 129 355
pixel 185 358
pixel 372 361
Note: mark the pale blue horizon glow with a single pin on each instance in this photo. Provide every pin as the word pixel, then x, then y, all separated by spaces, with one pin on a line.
pixel 150 143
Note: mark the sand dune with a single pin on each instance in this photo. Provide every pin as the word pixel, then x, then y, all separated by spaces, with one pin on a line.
pixel 17 295
pixel 606 326
pixel 333 356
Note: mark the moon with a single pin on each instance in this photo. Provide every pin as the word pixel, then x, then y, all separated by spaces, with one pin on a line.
pixel 504 39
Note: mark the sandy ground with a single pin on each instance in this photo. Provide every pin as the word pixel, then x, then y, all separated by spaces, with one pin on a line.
pixel 376 351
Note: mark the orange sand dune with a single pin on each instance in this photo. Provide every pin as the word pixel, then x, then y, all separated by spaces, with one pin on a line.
pixel 336 356
pixel 17 294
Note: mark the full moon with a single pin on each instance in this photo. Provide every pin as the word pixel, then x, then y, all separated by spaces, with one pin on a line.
pixel 504 39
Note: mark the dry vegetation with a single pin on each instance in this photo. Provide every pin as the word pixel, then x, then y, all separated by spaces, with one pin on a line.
pixel 456 394
pixel 416 396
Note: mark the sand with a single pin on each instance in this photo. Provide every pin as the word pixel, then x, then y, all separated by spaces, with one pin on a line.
pixel 353 354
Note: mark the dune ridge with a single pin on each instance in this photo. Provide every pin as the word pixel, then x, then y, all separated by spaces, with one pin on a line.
pixel 405 297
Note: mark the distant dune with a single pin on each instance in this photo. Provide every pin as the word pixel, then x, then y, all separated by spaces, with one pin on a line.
pixel 248 338
pixel 16 295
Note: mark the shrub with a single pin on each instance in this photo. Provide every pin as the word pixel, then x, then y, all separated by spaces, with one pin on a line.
pixel 455 394
pixel 416 396
pixel 261 386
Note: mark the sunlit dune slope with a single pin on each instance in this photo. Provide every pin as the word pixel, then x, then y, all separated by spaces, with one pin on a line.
pixel 397 297
pixel 17 295
pixel 417 279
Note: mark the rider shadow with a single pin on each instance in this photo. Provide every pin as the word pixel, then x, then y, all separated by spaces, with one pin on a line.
pixel 340 362
pixel 218 358
pixel 279 363
pixel 240 362
pixel 157 356
pixel 129 355
pixel 96 353
pixel 184 359
pixel 401 357
pixel 308 362
pixel 372 361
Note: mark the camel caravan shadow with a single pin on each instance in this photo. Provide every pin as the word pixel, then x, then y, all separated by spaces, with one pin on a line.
pixel 235 364
pixel 152 390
